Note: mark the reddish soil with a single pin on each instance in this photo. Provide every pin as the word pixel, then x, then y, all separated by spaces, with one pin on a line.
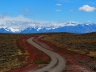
pixel 75 62
pixel 34 56
pixel 73 65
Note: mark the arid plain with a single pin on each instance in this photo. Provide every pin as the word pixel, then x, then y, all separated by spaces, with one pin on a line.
pixel 47 52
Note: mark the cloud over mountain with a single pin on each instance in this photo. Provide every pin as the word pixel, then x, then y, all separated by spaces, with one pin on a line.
pixel 22 24
pixel 16 24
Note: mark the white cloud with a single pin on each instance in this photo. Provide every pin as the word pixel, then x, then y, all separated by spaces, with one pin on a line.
pixel 87 8
pixel 26 14
pixel 18 18
pixel 58 10
pixel 72 10
pixel 16 24
pixel 89 22
pixel 26 9
pixel 59 4
pixel 3 15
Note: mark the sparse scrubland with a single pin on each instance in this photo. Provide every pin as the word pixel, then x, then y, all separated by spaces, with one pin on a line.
pixel 16 53
pixel 11 53
pixel 81 43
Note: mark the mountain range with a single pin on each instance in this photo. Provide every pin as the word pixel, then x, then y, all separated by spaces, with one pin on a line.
pixel 47 27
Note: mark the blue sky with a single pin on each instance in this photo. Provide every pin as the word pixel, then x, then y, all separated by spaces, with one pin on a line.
pixel 50 10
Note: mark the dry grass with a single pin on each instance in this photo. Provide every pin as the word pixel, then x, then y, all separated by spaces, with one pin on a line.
pixel 83 43
pixel 10 52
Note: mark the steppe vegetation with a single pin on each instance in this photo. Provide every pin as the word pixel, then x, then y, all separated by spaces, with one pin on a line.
pixel 81 43
pixel 10 52
pixel 15 52
pixel 13 55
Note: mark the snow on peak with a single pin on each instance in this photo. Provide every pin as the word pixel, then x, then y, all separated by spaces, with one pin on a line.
pixel 14 30
pixel 17 24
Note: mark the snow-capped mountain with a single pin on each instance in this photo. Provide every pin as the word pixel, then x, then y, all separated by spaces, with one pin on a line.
pixel 41 27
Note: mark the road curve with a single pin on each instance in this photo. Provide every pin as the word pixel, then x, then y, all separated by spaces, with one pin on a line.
pixel 57 63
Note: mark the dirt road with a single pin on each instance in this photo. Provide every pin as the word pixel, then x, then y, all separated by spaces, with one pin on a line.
pixel 57 63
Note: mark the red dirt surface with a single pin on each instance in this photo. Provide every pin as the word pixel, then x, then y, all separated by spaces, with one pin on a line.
pixel 73 59
pixel 73 65
pixel 34 55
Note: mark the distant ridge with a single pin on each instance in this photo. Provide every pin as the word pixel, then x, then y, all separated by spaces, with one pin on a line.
pixel 47 28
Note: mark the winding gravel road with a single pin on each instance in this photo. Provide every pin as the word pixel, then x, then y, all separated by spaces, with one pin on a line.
pixel 57 63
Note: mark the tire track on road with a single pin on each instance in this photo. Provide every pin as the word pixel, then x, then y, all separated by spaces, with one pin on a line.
pixel 57 63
